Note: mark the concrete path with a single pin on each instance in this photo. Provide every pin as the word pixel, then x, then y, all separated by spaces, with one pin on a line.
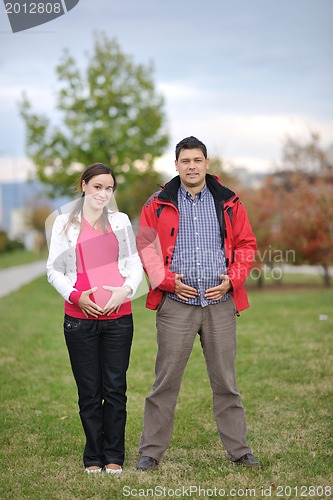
pixel 12 278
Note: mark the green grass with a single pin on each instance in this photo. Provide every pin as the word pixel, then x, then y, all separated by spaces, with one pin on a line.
pixel 285 373
pixel 20 257
pixel 286 279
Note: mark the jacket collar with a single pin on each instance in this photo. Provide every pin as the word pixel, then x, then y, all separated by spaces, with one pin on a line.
pixel 221 193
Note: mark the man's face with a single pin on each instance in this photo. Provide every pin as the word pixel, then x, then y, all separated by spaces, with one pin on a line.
pixel 192 167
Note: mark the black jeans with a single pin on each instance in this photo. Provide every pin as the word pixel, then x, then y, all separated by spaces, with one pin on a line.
pixel 99 352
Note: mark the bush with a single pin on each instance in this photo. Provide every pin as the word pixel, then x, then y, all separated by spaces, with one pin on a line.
pixel 3 241
pixel 7 245
pixel 14 245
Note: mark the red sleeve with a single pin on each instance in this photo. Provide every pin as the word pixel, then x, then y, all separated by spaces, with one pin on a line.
pixel 242 249
pixel 75 297
pixel 150 251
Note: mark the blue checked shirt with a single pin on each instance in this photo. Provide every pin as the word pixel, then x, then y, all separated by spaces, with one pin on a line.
pixel 198 252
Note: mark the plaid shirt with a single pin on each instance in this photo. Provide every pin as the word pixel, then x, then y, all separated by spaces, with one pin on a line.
pixel 198 253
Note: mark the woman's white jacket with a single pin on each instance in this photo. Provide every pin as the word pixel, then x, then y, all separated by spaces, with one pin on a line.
pixel 61 263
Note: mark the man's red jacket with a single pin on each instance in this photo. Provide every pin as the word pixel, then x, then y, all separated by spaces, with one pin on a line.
pixel 158 231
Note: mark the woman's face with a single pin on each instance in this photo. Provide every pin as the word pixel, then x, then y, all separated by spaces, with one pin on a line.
pixel 98 191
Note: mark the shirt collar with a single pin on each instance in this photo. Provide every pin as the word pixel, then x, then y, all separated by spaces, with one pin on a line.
pixel 186 194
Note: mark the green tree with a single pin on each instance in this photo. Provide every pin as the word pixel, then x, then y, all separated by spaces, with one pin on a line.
pixel 111 113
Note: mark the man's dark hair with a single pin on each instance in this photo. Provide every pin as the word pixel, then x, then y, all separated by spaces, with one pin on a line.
pixel 191 143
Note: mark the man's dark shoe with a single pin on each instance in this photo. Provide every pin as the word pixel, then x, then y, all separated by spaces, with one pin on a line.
pixel 247 460
pixel 147 463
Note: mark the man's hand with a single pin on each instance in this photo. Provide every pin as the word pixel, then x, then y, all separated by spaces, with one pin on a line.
pixel 119 294
pixel 87 306
pixel 217 292
pixel 183 291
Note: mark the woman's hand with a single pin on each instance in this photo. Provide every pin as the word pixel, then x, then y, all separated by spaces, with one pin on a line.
pixel 119 294
pixel 87 306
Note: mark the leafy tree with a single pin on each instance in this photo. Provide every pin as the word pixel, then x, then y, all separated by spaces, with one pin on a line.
pixel 292 211
pixel 302 190
pixel 35 217
pixel 263 211
pixel 110 113
pixel 307 223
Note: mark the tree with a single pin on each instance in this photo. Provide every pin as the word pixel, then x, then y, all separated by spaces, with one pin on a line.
pixel 304 159
pixel 304 190
pixel 35 217
pixel 307 223
pixel 292 211
pixel 112 114
pixel 221 169
pixel 262 208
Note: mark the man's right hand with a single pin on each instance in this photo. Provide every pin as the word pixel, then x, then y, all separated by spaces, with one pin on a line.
pixel 184 292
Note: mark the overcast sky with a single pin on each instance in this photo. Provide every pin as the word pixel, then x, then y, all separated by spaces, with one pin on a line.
pixel 239 74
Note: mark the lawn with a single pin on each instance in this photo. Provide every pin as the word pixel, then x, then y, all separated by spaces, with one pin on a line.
pixel 20 257
pixel 285 372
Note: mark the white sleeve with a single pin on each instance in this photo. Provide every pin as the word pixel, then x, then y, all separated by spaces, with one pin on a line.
pixel 56 263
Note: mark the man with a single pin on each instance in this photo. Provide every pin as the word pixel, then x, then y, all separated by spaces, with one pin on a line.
pixel 197 248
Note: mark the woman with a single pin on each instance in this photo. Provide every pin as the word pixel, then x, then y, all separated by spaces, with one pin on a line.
pixel 93 263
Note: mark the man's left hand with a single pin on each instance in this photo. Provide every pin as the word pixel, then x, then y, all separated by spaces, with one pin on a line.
pixel 217 292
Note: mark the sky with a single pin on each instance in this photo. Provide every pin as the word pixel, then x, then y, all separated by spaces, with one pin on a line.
pixel 240 75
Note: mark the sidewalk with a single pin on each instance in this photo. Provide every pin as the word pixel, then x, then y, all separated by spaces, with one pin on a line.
pixel 12 278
